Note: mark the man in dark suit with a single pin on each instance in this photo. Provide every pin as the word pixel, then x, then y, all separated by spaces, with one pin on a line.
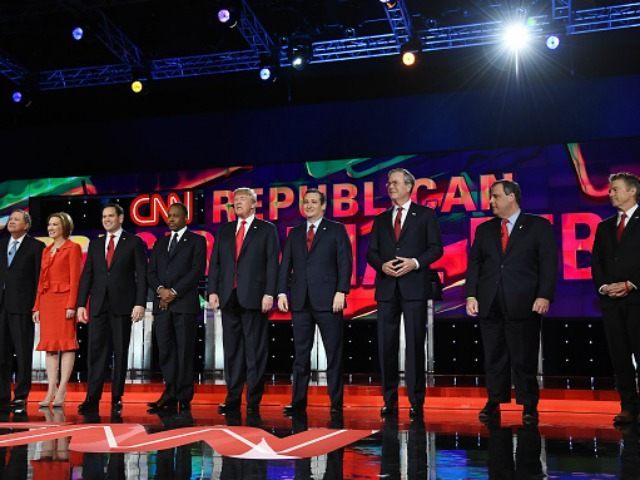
pixel 20 257
pixel 510 283
pixel 405 240
pixel 615 266
pixel 242 282
pixel 114 280
pixel 176 266
pixel 316 264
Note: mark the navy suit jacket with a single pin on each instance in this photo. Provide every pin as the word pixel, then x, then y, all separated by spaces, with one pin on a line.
pixel 614 261
pixel 181 271
pixel 526 270
pixel 319 272
pixel 257 264
pixel 19 282
pixel 124 283
pixel 420 239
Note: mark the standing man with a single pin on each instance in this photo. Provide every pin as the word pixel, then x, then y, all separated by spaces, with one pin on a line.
pixel 114 280
pixel 615 266
pixel 316 264
pixel 177 264
pixel 405 241
pixel 242 282
pixel 510 282
pixel 20 256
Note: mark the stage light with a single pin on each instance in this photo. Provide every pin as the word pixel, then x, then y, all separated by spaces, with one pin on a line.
pixel 16 96
pixel 227 15
pixel 552 42
pixel 137 86
pixel 299 56
pixel 77 33
pixel 266 73
pixel 409 53
pixel 516 37
pixel 389 3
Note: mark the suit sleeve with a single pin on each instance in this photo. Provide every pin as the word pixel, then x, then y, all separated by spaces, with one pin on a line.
pixel 285 267
pixel 548 261
pixel 473 267
pixel 37 263
pixel 86 280
pixel 36 305
pixel 597 258
pixel 273 250
pixel 152 272
pixel 140 259
pixel 75 265
pixel 214 266
pixel 434 242
pixel 345 260
pixel 373 252
pixel 190 281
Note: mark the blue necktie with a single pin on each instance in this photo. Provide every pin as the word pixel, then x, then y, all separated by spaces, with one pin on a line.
pixel 12 252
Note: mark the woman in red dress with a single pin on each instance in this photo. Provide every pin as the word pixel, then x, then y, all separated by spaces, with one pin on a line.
pixel 55 307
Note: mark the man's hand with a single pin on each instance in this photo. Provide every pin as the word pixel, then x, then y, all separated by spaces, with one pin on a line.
pixel 283 303
pixel 339 302
pixel 137 313
pixel 35 316
pixel 389 268
pixel 163 305
pixel 214 301
pixel 166 295
pixel 540 305
pixel 267 303
pixel 82 315
pixel 616 290
pixel 472 307
pixel 404 265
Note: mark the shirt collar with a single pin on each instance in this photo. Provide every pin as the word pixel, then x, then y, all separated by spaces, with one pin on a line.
pixel 514 218
pixel 19 240
pixel 405 206
pixel 116 234
pixel 315 224
pixel 249 220
pixel 180 232
pixel 629 213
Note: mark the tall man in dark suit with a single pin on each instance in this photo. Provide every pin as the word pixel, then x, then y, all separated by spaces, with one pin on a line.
pixel 114 280
pixel 405 240
pixel 20 256
pixel 177 264
pixel 242 282
pixel 316 264
pixel 510 283
pixel 615 266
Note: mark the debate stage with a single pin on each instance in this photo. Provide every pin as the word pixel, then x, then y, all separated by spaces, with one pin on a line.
pixel 574 439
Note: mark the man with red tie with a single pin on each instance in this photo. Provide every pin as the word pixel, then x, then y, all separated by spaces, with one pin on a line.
pixel 510 283
pixel 615 267
pixel 243 272
pixel 405 241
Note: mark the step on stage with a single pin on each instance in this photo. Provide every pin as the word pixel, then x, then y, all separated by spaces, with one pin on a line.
pixel 575 438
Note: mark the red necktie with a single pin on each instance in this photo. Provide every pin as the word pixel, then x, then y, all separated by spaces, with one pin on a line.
pixel 310 236
pixel 504 234
pixel 111 247
pixel 239 240
pixel 620 228
pixel 397 225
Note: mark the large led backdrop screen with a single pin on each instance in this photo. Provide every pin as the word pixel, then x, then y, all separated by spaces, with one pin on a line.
pixel 565 183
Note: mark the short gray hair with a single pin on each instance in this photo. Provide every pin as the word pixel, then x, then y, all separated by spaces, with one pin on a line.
pixel 408 176
pixel 25 215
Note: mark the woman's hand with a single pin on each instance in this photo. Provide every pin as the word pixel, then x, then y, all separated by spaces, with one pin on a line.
pixel 70 313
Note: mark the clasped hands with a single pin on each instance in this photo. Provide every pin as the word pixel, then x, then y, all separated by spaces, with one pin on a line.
pixel 166 296
pixel 399 266
pixel 616 290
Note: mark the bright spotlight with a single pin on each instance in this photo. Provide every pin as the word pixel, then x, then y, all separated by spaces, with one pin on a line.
pixel 137 86
pixel 266 73
pixel 409 59
pixel 299 55
pixel 227 16
pixel 409 53
pixel 77 33
pixel 516 37
pixel 16 96
pixel 553 42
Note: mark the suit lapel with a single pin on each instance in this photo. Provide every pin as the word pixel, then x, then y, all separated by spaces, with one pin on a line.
pixel 632 224
pixel 388 223
pixel 249 236
pixel 408 220
pixel 320 231
pixel 119 247
pixel 516 232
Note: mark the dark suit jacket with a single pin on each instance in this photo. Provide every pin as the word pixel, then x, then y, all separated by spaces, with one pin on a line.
pixel 181 271
pixel 257 264
pixel 420 239
pixel 527 270
pixel 20 280
pixel 124 283
pixel 617 262
pixel 319 272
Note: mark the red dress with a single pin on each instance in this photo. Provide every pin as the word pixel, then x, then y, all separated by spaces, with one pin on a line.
pixel 58 291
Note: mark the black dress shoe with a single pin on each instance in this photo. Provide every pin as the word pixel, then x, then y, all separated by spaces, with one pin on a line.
pixel 88 406
pixel 529 416
pixel 226 408
pixel 290 410
pixel 185 405
pixel 491 411
pixel 18 403
pixel 388 410
pixel 163 405
pixel 625 417
pixel 416 411
pixel 253 409
pixel 116 406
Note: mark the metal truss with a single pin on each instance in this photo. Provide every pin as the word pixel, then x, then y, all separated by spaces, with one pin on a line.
pixel 253 31
pixel 399 20
pixel 15 73
pixel 560 9
pixel 432 39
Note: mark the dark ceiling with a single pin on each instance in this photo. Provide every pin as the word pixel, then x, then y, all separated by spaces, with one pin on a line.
pixel 36 35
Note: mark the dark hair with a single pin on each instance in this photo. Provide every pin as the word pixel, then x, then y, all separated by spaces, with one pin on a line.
pixel 630 179
pixel 510 187
pixel 182 207
pixel 323 197
pixel 408 176
pixel 65 220
pixel 119 210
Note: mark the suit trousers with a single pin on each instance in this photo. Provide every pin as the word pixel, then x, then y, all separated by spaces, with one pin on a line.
pixel 331 329
pixel 108 332
pixel 622 329
pixel 244 339
pixel 511 345
pixel 175 335
pixel 16 331
pixel 415 327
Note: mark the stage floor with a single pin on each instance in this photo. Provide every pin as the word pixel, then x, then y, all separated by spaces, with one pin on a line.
pixel 575 438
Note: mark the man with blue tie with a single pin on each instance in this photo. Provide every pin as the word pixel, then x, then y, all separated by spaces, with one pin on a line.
pixel 316 265
pixel 20 257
